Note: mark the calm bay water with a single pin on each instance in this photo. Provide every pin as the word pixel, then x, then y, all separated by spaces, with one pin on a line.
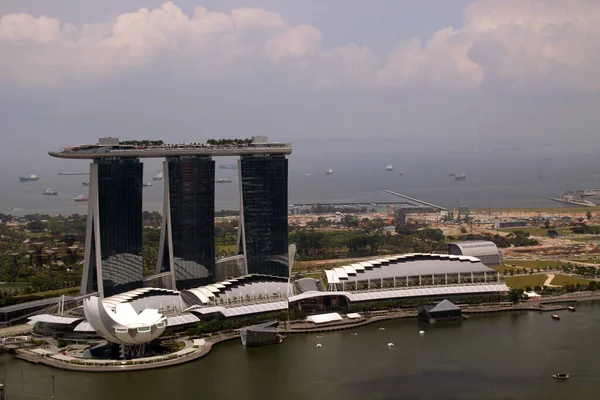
pixel 502 180
pixel 500 356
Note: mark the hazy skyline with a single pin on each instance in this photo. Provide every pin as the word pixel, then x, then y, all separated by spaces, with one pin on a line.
pixel 436 75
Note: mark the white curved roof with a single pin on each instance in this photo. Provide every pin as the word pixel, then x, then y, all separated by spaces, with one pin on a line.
pixel 477 248
pixel 123 325
pixel 410 265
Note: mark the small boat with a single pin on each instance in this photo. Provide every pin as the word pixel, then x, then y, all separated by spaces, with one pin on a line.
pixel 389 167
pixel 147 184
pixel 329 171
pixel 86 183
pixel 80 197
pixel 556 317
pixel 50 192
pixel 461 177
pixel 223 180
pixel 561 376
pixel 30 178
pixel 572 309
pixel 159 176
pixel 400 173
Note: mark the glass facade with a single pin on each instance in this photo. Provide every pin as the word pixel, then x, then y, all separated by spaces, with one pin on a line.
pixel 265 200
pixel 192 210
pixel 120 225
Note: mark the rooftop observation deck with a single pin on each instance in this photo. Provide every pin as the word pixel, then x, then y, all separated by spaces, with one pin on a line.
pixel 171 150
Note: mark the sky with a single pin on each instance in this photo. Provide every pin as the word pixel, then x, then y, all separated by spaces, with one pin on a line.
pixel 340 77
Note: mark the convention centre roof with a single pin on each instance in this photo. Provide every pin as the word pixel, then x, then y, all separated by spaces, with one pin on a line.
pixel 407 265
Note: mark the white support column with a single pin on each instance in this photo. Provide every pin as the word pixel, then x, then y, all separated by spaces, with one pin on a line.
pixel 432 279
pixel 446 278
pixel 420 283
pixel 381 287
pixel 394 282
pixel 88 239
pixel 166 231
pixel 369 284
pixel 498 276
pixel 241 225
pixel 93 209
pixel 459 278
pixel 471 277
pixel 407 282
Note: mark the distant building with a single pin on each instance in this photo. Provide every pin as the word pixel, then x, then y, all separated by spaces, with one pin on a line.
pixel 108 141
pixel 510 224
pixel 484 250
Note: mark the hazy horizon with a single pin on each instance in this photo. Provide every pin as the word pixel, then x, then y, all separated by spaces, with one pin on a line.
pixel 422 84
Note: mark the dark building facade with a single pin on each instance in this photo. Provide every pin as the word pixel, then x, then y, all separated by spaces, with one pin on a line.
pixel 113 258
pixel 264 222
pixel 188 234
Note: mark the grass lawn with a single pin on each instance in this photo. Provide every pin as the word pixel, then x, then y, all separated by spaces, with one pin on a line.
pixel 50 293
pixel 562 280
pixel 532 264
pixel 13 286
pixel 525 280
pixel 537 231
pixel 534 230
pixel 227 248
pixel 504 269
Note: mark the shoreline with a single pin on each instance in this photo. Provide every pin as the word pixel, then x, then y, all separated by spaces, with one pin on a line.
pixel 546 305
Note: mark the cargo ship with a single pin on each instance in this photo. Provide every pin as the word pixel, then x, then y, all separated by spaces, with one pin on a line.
pixel 80 198
pixel 30 178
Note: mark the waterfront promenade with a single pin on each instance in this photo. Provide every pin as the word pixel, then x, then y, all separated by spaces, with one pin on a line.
pixel 198 348
pixel 193 350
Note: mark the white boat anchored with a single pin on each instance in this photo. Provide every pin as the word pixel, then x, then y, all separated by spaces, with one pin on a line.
pixel 389 167
pixel 50 192
pixel 329 171
pixel 158 176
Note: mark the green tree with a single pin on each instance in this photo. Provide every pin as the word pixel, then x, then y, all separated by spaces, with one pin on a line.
pixel 515 295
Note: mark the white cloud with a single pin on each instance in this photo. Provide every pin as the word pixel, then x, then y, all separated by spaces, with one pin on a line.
pixel 514 44
pixel 299 41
